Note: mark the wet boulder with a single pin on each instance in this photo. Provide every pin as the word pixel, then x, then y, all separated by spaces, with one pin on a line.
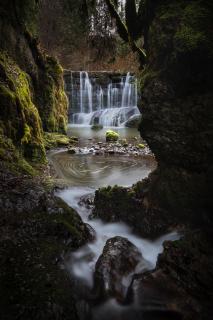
pixel 96 127
pixel 115 268
pixel 133 121
pixel 71 151
pixel 87 201
pixel 111 136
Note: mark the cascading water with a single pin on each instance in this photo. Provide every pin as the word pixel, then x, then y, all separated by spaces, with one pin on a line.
pixel 108 102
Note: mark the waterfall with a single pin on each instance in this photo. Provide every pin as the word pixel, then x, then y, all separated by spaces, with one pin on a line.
pixel 102 98
pixel 85 93
pixel 81 92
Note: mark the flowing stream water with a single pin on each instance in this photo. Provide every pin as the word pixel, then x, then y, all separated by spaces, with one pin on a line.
pixel 110 104
pixel 84 173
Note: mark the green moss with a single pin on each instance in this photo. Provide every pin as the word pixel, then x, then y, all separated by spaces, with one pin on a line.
pixel 53 103
pixel 180 26
pixel 12 159
pixel 51 123
pixel 112 136
pixel 146 76
pixel 124 142
pixel 62 124
pixel 27 134
pixel 54 140
pixel 5 92
pixel 19 116
pixel 192 31
pixel 187 39
pixel 141 145
pixel 54 68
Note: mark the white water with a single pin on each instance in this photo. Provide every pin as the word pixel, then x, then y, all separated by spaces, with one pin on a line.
pixel 82 262
pixel 111 106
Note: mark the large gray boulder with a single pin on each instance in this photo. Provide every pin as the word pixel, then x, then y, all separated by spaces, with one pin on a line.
pixel 115 269
pixel 133 121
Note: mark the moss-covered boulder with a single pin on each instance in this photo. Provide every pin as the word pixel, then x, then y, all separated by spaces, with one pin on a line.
pixel 132 206
pixel 96 127
pixel 112 136
pixel 55 140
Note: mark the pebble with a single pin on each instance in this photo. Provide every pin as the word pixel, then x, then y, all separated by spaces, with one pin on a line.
pixel 101 148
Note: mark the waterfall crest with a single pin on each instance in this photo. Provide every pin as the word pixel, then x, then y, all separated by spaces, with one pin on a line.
pixel 104 100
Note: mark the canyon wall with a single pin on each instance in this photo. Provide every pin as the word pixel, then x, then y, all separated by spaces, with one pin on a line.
pixel 176 104
pixel 31 83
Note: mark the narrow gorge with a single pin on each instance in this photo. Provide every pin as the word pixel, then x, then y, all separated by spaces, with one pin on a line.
pixel 106 159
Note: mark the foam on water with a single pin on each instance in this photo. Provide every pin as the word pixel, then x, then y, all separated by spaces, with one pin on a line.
pixel 82 262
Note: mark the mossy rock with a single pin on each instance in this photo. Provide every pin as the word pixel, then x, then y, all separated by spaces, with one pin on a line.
pixel 71 151
pixel 33 283
pixel 112 136
pixel 12 159
pixel 74 140
pixel 97 127
pixel 54 140
pixel 141 146
pixel 19 117
pixel 124 142
pixel 53 103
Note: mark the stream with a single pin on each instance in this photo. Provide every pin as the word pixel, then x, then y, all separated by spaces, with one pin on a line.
pixel 84 173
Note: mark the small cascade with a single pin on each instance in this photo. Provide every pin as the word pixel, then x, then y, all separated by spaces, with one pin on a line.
pixel 85 93
pixel 102 98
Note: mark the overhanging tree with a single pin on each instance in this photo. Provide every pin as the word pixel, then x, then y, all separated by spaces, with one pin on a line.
pixel 134 25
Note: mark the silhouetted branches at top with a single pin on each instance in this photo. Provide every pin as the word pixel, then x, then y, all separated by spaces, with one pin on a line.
pixel 130 31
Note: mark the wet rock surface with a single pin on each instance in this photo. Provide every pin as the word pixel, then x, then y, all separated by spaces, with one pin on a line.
pixel 87 201
pixel 112 148
pixel 133 121
pixel 115 268
pixel 132 206
pixel 182 281
pixel 178 288
pixel 36 229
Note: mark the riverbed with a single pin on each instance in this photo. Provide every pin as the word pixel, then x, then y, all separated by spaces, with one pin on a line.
pixel 83 174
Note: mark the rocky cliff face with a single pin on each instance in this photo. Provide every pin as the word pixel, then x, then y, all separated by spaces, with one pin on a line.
pixel 36 228
pixel 176 104
pixel 31 83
